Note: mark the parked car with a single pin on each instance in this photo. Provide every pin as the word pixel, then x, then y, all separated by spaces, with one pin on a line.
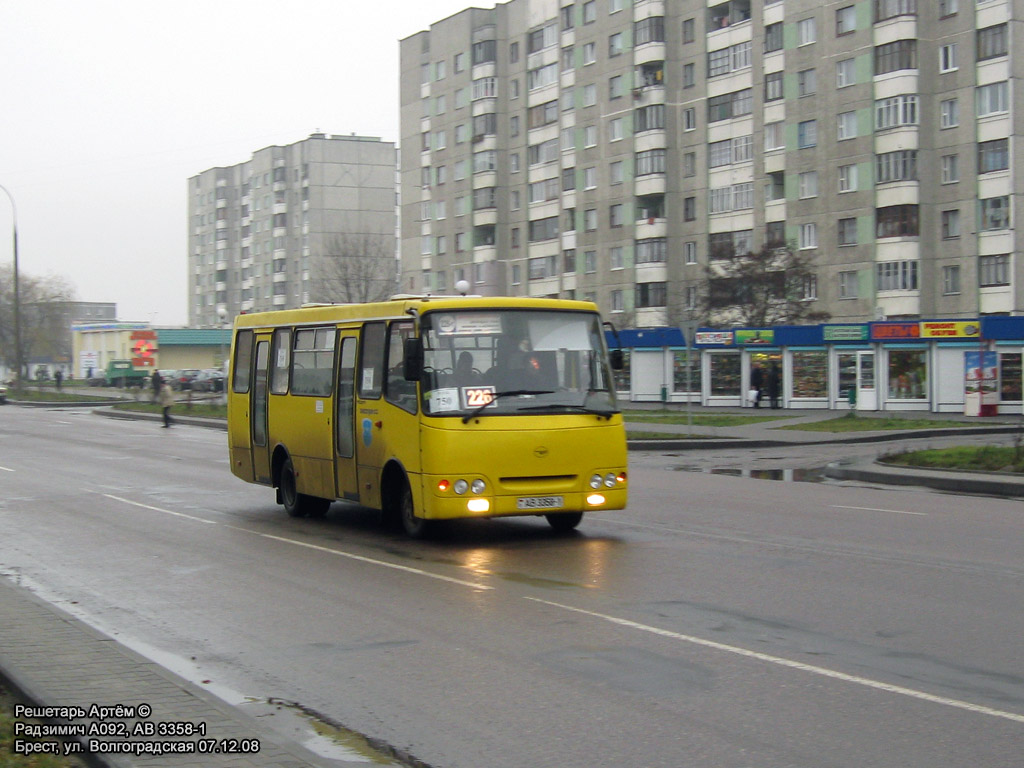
pixel 209 380
pixel 3 392
pixel 183 379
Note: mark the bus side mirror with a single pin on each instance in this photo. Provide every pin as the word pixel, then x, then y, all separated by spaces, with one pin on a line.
pixel 413 359
pixel 616 360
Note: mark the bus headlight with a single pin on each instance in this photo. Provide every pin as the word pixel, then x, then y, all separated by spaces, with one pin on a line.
pixel 479 486
pixel 478 505
pixel 595 481
pixel 595 499
pixel 461 486
pixel 609 480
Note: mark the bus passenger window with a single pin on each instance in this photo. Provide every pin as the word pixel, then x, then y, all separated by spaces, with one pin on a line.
pixel 282 356
pixel 371 362
pixel 399 391
pixel 243 362
pixel 313 362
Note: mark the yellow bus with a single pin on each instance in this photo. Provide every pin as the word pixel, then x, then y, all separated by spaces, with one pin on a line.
pixel 430 408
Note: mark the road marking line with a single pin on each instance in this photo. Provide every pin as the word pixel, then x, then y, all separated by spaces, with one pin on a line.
pixel 779 661
pixel 874 509
pixel 370 560
pixel 6 469
pixel 158 509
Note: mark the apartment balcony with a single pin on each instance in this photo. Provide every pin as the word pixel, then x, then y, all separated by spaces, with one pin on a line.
pixel 644 9
pixel 897 193
pixel 650 184
pixel 280 277
pixel 645 95
pixel 485 106
pixel 649 52
pixel 221 264
pixel 280 301
pixel 653 139
pixel 221 224
pixel 483 253
pixel 483 179
pixel 485 216
pixel 222 202
pixel 280 207
pixel 651 227
pixel 486 142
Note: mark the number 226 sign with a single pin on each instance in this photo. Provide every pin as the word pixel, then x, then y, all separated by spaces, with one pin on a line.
pixel 477 397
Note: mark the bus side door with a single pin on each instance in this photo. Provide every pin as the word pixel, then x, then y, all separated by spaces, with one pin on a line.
pixel 258 411
pixel 347 484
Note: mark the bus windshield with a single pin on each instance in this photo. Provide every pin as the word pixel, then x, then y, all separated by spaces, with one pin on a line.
pixel 505 361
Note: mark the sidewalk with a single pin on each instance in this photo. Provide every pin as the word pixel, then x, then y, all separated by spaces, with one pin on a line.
pixel 49 658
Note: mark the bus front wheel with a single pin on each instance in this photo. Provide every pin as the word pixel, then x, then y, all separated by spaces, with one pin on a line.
pixel 566 521
pixel 414 527
pixel 299 504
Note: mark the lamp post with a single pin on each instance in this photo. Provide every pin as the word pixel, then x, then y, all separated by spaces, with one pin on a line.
pixel 17 297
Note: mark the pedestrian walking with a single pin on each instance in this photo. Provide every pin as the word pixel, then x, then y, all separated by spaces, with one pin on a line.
pixel 58 378
pixel 166 401
pixel 158 383
pixel 774 384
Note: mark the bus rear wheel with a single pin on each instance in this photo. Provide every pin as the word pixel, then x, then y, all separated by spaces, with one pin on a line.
pixel 414 527
pixel 299 504
pixel 565 521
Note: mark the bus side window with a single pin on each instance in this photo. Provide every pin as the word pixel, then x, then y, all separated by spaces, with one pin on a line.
pixel 243 362
pixel 399 391
pixel 371 361
pixel 282 353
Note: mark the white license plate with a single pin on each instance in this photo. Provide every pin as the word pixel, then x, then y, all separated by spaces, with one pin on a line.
pixel 540 502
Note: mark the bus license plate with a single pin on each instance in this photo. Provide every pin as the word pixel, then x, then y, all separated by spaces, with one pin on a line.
pixel 540 502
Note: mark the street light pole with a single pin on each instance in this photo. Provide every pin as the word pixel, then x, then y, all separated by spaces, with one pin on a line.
pixel 17 296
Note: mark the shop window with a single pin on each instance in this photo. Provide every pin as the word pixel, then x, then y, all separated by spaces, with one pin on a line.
pixel 1010 376
pixel 908 375
pixel 810 373
pixel 679 373
pixel 725 374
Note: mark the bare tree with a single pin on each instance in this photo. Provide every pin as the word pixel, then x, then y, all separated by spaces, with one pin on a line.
pixel 45 328
pixel 773 286
pixel 356 268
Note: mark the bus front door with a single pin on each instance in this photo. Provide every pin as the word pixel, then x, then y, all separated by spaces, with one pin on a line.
pixel 258 413
pixel 347 484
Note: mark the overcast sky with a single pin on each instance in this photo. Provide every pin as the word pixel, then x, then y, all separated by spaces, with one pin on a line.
pixel 107 107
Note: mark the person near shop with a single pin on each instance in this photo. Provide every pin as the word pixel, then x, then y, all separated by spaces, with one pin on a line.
pixel 756 384
pixel 774 384
pixel 166 401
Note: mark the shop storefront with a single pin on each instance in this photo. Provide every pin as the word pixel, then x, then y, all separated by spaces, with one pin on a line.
pixel 881 366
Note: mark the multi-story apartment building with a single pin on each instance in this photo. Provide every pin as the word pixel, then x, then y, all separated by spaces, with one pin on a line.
pixel 616 149
pixel 312 221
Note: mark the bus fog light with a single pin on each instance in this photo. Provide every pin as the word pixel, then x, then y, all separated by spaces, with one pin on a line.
pixel 479 486
pixel 443 485
pixel 461 486
pixel 609 480
pixel 478 505
pixel 621 477
pixel 595 499
pixel 595 481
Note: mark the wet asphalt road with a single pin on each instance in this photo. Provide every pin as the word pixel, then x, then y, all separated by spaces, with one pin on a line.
pixel 720 621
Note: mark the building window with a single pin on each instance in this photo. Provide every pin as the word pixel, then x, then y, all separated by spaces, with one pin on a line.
pixel 896 275
pixel 808 184
pixel 847 231
pixel 889 9
pixel 773 86
pixel 994 270
pixel 949 113
pixel 807 134
pixel 808 236
pixel 992 41
pixel 689 119
pixel 895 111
pixel 897 221
pixel 894 56
pixel 950 169
pixel 846 20
pixel 689 209
pixel 650 161
pixel 993 155
pixel 590 12
pixel 947 58
pixel 690 252
pixel 846 73
pixel 992 99
pixel 689 30
pixel 896 166
pixel 947 8
pixel 650 30
pixel 951 280
pixel 616 300
pixel 730 105
pixel 774 136
pixel 847 125
pixel 615 217
pixel 651 295
pixel 649 118
pixel 950 224
pixel 995 213
pixel 651 250
pixel 806 31
pixel 806 82
pixel 848 285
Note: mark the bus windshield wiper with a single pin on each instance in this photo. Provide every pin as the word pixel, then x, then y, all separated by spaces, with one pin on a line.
pixel 583 408
pixel 510 393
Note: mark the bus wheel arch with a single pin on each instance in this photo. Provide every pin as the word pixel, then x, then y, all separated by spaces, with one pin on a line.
pixel 398 502
pixel 285 480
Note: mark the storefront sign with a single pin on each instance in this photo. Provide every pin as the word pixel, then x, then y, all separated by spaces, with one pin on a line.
pixel 895 331
pixel 845 333
pixel 714 337
pixel 756 336
pixel 951 330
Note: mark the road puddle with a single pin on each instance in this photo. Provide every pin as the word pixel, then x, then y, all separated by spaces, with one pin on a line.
pixel 337 742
